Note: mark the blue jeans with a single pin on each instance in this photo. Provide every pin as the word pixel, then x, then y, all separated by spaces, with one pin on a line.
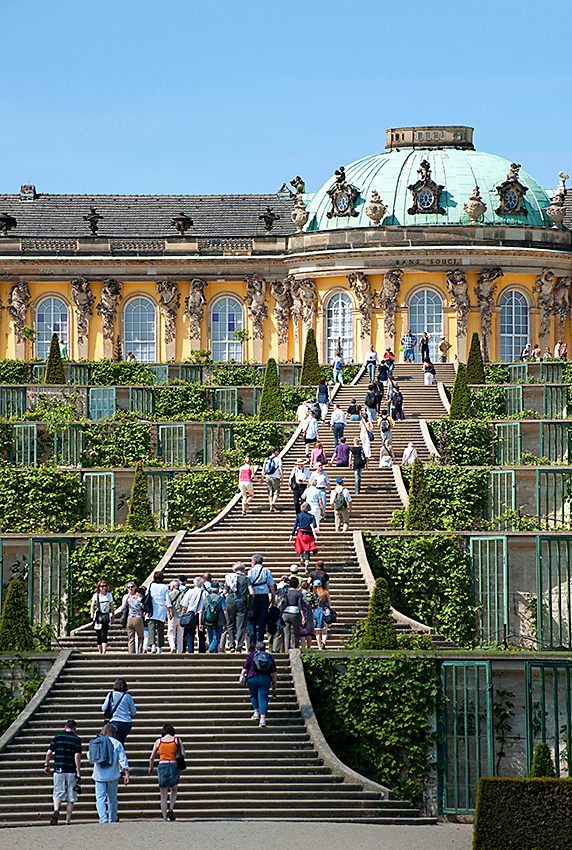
pixel 371 370
pixel 258 616
pixel 106 797
pixel 357 480
pixel 338 429
pixel 215 634
pixel 371 411
pixel 123 729
pixel 338 377
pixel 409 353
pixel 258 688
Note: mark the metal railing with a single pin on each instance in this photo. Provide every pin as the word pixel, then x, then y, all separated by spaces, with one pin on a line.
pixel 217 439
pixel 69 445
pixel 158 489
pixel 172 444
pixel 555 439
pixel 142 401
pixel 554 401
pixel 161 372
pixel 552 498
pixel 548 685
pixel 80 373
pixel 502 493
pixel 24 444
pixel 12 402
pixel 553 591
pixel 102 403
pixel 513 400
pixel 225 399
pixel 489 565
pixel 508 443
pixel 50 590
pixel 99 496
pixel 191 373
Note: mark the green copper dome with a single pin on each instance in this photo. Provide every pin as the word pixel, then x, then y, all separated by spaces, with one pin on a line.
pixel 457 170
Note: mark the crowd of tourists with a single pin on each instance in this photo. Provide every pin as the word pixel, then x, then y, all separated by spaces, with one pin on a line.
pixel 534 354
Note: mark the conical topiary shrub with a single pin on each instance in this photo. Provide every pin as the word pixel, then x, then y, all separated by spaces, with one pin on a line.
pixel 55 368
pixel 475 369
pixel 379 628
pixel 418 516
pixel 461 395
pixel 140 516
pixel 310 367
pixel 542 764
pixel 15 629
pixel 271 404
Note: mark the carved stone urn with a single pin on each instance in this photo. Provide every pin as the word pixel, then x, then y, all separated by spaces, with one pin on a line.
pixel 557 211
pixel 376 209
pixel 299 214
pixel 475 206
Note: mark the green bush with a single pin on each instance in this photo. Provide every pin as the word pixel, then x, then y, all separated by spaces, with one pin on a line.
pixel 236 375
pixel 475 368
pixel 489 402
pixel 461 396
pixel 292 398
pixel 456 495
pixel 39 500
pixel 379 628
pixel 55 368
pixel 56 411
pixel 271 405
pixel 118 442
pixel 140 516
pixel 14 372
pixel 418 516
pixel 254 439
pixel 310 366
pixel 106 373
pixel 542 765
pixel 117 559
pixel 522 814
pixel 197 497
pixel 183 403
pixel 15 696
pixel 467 442
pixel 349 372
pixel 429 580
pixel 15 628
pixel 497 374
pixel 374 713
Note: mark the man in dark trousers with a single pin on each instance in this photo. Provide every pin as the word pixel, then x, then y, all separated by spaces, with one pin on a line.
pixel 66 749
pixel 298 482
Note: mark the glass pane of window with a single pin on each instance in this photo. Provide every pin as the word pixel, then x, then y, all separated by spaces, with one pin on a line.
pixel 426 314
pixel 226 319
pixel 51 317
pixel 513 325
pixel 339 325
pixel 140 330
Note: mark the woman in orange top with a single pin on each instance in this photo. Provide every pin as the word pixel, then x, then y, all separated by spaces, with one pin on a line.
pixel 168 746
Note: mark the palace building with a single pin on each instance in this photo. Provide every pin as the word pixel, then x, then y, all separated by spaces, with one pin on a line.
pixel 429 235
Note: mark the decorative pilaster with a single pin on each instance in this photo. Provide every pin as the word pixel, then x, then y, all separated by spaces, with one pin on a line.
pixel 257 310
pixel 459 299
pixel 18 303
pixel 280 290
pixel 169 303
pixel 359 282
pixel 387 299
pixel 194 304
pixel 485 290
pixel 83 301
pixel 545 302
pixel 107 309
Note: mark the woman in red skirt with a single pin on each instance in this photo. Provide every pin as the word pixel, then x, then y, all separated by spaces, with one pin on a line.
pixel 305 543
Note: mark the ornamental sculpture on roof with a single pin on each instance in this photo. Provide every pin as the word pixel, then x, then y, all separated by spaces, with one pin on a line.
pixel 475 206
pixel 511 193
pixel 93 220
pixel 269 217
pixel 343 196
pixel 7 222
pixel 299 185
pixel 376 209
pixel 557 211
pixel 299 214
pixel 426 193
pixel 182 223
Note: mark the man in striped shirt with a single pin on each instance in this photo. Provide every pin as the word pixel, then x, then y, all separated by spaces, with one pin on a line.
pixel 66 749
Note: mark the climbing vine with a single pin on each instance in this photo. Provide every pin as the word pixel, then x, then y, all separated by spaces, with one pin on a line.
pixel 106 373
pixel 117 442
pixel 374 713
pixel 197 497
pixel 457 496
pixel 466 441
pixel 40 500
pixel 20 689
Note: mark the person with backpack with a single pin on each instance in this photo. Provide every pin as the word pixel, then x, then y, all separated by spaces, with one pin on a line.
pixel 354 410
pixel 118 708
pixel 170 750
pixel 214 616
pixel 66 749
pixel 259 674
pixel 428 373
pixel 108 757
pixel 322 602
pixel 341 501
pixel 291 607
pixel 371 403
pixel 262 589
pixel 311 433
pixel 193 604
pixel 357 463
pixel 389 360
pixel 371 361
pixel 385 423
pixel 236 586
pixel 397 404
pixel 323 398
pixel 386 455
pixel 303 534
pixel 338 367
pixel 273 475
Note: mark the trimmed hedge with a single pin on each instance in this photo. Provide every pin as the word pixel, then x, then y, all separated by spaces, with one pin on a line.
pixel 54 368
pixel 310 365
pixel 523 814
pixel 460 396
pixel 475 368
pixel 379 628
pixel 15 629
pixel 271 404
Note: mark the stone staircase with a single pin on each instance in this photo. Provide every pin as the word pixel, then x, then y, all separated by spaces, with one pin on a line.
pixel 235 770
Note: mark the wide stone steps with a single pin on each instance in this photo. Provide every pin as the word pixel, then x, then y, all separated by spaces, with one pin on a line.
pixel 235 770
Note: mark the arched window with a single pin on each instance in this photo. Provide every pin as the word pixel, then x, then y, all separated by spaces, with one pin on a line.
pixel 51 318
pixel 339 326
pixel 513 325
pixel 140 329
pixel 226 318
pixel 426 314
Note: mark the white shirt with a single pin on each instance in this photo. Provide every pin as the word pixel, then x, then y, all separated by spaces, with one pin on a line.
pixel 302 412
pixel 338 416
pixel 339 488
pixel 557 350
pixel 193 600
pixel 314 498
pixel 104 602
pixel 260 579
pixel 320 480
pixel 371 357
pixel 161 600
pixel 409 455
pixel 299 475
pixel 310 428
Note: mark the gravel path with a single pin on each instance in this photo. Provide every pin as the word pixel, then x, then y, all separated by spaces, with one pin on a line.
pixel 236 835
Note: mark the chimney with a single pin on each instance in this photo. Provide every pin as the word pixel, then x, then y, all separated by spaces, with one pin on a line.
pixel 27 193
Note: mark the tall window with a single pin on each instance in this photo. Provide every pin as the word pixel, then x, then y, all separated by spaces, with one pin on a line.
pixel 51 318
pixel 140 329
pixel 513 325
pixel 426 314
pixel 226 318
pixel 339 326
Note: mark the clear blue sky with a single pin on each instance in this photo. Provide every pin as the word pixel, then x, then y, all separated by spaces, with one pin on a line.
pixel 179 96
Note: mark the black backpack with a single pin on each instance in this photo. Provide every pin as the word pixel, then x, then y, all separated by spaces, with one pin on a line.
pixel 370 399
pixel 262 662
pixel 147 602
pixel 385 426
pixel 397 400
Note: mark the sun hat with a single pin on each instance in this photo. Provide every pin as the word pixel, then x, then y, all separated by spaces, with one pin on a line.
pixel 301 460
pixel 294 568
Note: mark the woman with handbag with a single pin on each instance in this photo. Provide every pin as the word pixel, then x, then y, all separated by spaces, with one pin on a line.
pixel 119 709
pixel 171 761
pixel 102 614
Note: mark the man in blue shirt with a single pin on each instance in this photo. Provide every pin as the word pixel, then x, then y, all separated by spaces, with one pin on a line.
pixel 263 590
pixel 106 778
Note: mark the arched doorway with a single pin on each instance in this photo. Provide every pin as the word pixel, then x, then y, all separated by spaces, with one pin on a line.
pixel 226 318
pixel 52 317
pixel 140 329
pixel 513 325
pixel 426 314
pixel 339 326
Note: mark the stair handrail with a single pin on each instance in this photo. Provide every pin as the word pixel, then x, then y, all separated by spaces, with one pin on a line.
pixel 369 579
pixel 322 747
pixel 430 445
pixel 401 489
pixel 443 396
pixel 357 378
pixel 25 715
